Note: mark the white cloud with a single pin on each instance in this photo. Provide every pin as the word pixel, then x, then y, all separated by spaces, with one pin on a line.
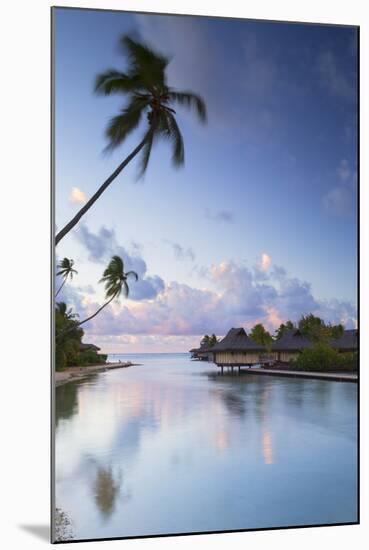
pixel 102 245
pixel 265 262
pixel 77 196
pixel 239 300
pixel 340 199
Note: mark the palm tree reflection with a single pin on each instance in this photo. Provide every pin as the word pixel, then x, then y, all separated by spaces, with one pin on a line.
pixel 106 490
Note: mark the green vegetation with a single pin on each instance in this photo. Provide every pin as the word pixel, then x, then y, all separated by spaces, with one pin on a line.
pixel 321 357
pixel 116 281
pixel 209 341
pixel 261 336
pixel 283 329
pixel 144 84
pixel 317 330
pixel 69 351
pixel 68 334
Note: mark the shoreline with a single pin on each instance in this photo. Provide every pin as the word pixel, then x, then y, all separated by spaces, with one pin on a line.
pixel 72 374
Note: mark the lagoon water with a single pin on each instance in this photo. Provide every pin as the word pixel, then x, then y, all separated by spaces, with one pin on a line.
pixel 172 447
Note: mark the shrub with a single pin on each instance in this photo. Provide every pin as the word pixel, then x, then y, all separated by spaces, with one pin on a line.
pixel 89 357
pixel 320 357
pixel 60 359
pixel 348 361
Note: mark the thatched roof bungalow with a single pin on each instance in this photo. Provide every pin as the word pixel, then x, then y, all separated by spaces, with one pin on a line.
pixel 203 353
pixel 292 343
pixel 237 349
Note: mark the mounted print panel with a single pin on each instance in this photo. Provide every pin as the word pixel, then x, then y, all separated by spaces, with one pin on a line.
pixel 205 350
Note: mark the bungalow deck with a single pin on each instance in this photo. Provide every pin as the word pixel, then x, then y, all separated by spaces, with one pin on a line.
pixel 334 376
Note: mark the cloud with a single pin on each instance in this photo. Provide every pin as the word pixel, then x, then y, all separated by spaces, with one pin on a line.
pixel 223 216
pixel 238 299
pixel 265 262
pixel 77 196
pixel 340 199
pixel 182 253
pixel 334 78
pixel 101 246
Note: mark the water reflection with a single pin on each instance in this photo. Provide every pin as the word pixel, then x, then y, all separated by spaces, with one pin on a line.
pixel 106 490
pixel 192 449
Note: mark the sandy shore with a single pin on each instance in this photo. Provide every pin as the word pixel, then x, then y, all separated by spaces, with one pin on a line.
pixel 77 373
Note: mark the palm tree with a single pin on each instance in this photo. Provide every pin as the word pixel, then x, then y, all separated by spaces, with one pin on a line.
pixel 66 270
pixel 144 83
pixel 115 280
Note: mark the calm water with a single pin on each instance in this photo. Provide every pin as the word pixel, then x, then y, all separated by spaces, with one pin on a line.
pixel 171 447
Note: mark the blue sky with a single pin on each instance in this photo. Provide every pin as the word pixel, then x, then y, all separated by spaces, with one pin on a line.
pixel 273 173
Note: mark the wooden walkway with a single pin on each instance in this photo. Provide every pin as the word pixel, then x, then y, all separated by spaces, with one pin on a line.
pixel 336 376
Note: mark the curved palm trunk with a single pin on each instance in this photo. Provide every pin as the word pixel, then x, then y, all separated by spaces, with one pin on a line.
pixel 100 191
pixel 61 286
pixel 64 332
pixel 96 312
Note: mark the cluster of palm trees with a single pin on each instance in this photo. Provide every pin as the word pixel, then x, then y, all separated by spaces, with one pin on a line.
pixel 208 341
pixel 145 88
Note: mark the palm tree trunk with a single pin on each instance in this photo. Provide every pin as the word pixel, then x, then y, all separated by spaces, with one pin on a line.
pixel 96 312
pixel 100 191
pixel 64 332
pixel 61 286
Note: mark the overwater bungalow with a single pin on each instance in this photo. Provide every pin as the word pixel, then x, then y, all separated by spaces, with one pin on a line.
pixel 288 347
pixel 236 349
pixel 203 353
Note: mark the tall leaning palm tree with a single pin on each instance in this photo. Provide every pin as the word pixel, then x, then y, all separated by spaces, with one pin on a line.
pixel 116 281
pixel 144 84
pixel 66 271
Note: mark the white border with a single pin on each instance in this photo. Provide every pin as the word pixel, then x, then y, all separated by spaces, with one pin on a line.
pixel 25 186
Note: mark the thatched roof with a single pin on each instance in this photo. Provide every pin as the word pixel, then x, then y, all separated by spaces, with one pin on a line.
pixel 294 341
pixel 348 341
pixel 237 340
pixel 291 341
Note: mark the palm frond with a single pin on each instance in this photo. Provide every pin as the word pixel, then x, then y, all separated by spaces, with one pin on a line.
pixel 122 125
pixel 125 289
pixel 145 64
pixel 113 82
pixel 190 100
pixel 168 129
pixel 132 274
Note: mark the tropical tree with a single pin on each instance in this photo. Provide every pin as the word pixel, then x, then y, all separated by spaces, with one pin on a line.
pixel 283 329
pixel 144 84
pixel 68 336
pixel 316 329
pixel 261 336
pixel 205 341
pixel 116 281
pixel 209 341
pixel 66 271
